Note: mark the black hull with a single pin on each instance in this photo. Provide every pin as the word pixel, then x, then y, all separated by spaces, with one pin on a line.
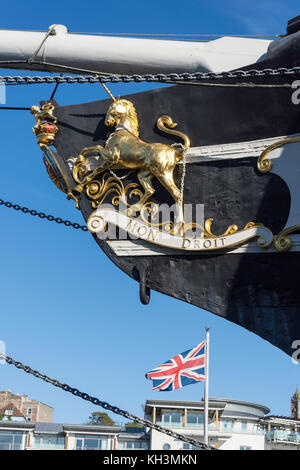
pixel 258 291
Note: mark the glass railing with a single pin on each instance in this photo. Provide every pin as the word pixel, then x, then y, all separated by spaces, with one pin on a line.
pixel 281 435
pixel 212 427
pixel 47 446
pixel 170 425
pixel 194 425
pixel 9 446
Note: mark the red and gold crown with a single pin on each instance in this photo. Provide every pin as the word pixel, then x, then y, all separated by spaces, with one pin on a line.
pixel 45 132
pixel 45 128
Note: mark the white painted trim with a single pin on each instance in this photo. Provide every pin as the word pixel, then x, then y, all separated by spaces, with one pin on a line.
pixel 252 148
pixel 142 248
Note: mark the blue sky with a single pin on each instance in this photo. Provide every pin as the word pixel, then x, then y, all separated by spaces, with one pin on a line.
pixel 65 308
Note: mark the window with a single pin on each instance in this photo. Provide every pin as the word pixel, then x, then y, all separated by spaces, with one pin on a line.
pixel 48 441
pixel 166 447
pixel 195 420
pixel 227 425
pixel 8 412
pixel 244 426
pixel 91 442
pixel 187 446
pixel 132 445
pixel 245 448
pixel 29 411
pixel 172 418
pixel 10 440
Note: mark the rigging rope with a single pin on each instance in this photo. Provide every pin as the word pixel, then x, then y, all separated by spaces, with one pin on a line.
pixel 105 405
pixel 180 35
pixel 50 32
pixel 158 34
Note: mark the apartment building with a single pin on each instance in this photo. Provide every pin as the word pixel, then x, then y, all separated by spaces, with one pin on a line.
pixel 233 425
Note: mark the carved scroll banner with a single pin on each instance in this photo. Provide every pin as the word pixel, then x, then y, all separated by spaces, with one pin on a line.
pixel 137 229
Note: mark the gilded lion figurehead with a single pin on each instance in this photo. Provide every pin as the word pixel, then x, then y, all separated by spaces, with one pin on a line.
pixel 120 111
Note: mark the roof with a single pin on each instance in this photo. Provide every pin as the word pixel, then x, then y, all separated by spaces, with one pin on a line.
pixel 20 397
pixel 16 413
pixel 232 401
pixel 60 428
pixel 239 414
pixel 91 428
pixel 49 428
pixel 17 425
pixel 134 435
pixel 184 404
pixel 279 419
pixel 213 403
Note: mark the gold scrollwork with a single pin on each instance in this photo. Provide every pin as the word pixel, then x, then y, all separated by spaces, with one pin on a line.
pixel 282 242
pixel 98 191
pixel 264 164
pixel 230 230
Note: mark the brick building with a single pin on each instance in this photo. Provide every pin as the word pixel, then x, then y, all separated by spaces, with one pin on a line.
pixel 33 410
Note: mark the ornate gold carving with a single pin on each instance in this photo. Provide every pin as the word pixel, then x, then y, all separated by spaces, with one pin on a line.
pixel 264 164
pixel 209 234
pixel 124 149
pixel 231 230
pixel 45 128
pixel 93 173
pixel 282 242
pixel 98 191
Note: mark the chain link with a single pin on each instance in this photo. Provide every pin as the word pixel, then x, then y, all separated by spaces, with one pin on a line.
pixel 105 405
pixel 42 215
pixel 160 77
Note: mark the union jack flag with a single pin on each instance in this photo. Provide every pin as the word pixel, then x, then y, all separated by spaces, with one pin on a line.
pixel 184 369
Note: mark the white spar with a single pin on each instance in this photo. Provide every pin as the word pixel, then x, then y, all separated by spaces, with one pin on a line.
pixel 124 55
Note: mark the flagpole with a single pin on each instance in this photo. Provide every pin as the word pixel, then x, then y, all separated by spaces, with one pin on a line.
pixel 207 328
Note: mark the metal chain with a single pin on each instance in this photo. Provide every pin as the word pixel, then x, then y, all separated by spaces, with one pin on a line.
pixel 42 215
pixel 161 77
pixel 66 387
pixel 183 177
pixel 105 405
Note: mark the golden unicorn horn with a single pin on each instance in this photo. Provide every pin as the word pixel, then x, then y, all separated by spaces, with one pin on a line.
pixel 108 92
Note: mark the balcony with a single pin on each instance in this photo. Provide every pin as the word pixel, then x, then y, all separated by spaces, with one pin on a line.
pixel 46 446
pixel 9 446
pixel 278 435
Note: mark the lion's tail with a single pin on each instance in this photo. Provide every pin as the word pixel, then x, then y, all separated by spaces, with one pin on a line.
pixel 164 121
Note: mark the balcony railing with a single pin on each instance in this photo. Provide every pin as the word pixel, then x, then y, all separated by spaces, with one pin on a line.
pixel 46 446
pixel 9 446
pixel 281 435
pixel 224 428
